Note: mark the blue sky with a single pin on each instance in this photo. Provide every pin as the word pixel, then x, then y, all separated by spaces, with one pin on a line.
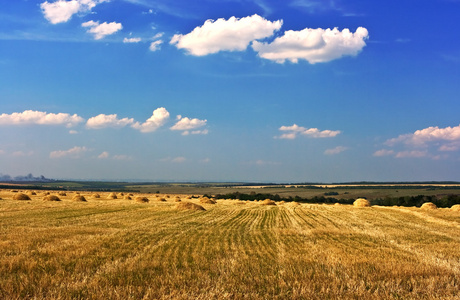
pixel 236 90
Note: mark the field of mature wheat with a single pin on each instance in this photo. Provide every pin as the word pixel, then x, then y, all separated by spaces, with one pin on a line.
pixel 128 249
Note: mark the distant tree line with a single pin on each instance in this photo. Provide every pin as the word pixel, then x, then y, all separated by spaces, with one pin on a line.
pixel 440 201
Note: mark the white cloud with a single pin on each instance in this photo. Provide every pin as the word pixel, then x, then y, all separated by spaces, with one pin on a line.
pixel 336 150
pixel 102 30
pixel 154 46
pixel 122 157
pixel 425 136
pixel 294 130
pixel 74 152
pixel 188 124
pixel 103 155
pixel 383 152
pixel 313 45
pixel 104 121
pixel 29 117
pixel 131 40
pixel 233 34
pixel 179 159
pixel 73 132
pixel 61 11
pixel 413 153
pixel 159 117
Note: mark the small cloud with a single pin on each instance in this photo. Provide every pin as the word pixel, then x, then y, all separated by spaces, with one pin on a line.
pixel 428 135
pixel 149 12
pixel 159 117
pixel 158 35
pixel 294 130
pixel 233 34
pixel 61 11
pixel 179 159
pixel 30 117
pixel 155 46
pixel 132 40
pixel 336 150
pixel 103 155
pixel 102 30
pixel 74 152
pixel 104 121
pixel 450 147
pixel 188 124
pixel 313 45
pixel 414 153
pixel 383 152
pixel 73 132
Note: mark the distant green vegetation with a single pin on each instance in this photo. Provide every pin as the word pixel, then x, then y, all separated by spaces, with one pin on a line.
pixel 408 201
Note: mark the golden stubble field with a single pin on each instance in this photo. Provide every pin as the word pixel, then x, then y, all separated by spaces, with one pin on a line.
pixel 108 248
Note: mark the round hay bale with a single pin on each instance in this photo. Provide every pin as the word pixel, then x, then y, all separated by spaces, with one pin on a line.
pixel 46 193
pixel 428 206
pixel 97 196
pixel 112 196
pixel 337 204
pixel 142 199
pixel 189 206
pixel 177 199
pixel 206 200
pixel 79 198
pixel 455 207
pixel 161 199
pixel 62 194
pixel 126 197
pixel 21 196
pixel 268 202
pixel 32 193
pixel 361 202
pixel 51 198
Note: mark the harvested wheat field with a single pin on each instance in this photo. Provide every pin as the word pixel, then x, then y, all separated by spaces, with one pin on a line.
pixel 120 249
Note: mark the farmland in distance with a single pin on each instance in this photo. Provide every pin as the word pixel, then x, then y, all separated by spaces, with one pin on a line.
pixel 124 249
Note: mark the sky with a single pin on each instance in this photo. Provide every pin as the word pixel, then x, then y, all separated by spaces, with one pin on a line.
pixel 230 90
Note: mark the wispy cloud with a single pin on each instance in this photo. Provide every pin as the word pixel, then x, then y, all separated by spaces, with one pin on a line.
pixel 29 117
pixel 74 152
pixel 293 131
pixel 336 150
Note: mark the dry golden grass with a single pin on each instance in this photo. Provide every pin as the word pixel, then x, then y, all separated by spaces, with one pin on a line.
pixel 51 198
pixel 361 202
pixel 79 198
pixel 112 196
pixel 267 202
pixel 142 199
pixel 428 206
pixel 189 206
pixel 206 200
pixel 21 196
pixel 455 207
pixel 127 250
